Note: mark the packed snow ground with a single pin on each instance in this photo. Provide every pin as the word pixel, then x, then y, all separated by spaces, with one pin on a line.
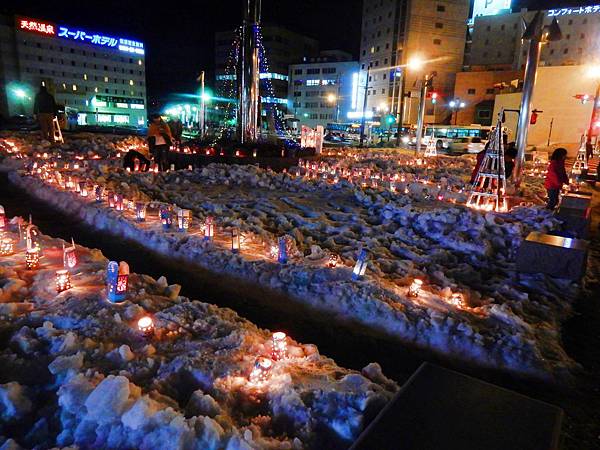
pixel 77 371
pixel 505 322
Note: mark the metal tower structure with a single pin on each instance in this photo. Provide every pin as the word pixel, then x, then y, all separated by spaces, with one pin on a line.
pixel 248 74
pixel 489 188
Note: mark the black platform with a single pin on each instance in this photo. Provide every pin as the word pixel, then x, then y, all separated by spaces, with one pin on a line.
pixel 438 409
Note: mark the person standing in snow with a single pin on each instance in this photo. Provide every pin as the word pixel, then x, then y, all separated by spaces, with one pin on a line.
pixel 44 110
pixel 480 156
pixel 510 154
pixel 159 141
pixel 176 128
pixel 556 176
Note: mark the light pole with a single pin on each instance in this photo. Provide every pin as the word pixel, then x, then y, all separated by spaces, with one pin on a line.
pixel 333 99
pixel 456 105
pixel 426 82
pixel 416 63
pixel 594 72
pixel 537 35
pixel 364 108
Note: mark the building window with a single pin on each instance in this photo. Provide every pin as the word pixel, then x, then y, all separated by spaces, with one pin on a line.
pixel 441 8
pixel 106 79
pixel 85 76
pixel 568 36
pixel 130 82
pixel 471 91
pixel 499 54
pixel 502 27
pixel 439 25
pixel 383 91
pixel 297 71
pixel 565 51
pixel 313 71
pixel 297 94
pixel 489 91
pixel 437 42
pixel 329 69
pixel 488 28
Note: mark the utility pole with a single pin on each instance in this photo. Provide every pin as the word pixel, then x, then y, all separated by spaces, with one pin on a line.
pixel 550 131
pixel 364 108
pixel 537 34
pixel 400 111
pixel 593 119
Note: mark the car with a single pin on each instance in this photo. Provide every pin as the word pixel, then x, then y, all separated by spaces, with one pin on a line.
pixel 467 145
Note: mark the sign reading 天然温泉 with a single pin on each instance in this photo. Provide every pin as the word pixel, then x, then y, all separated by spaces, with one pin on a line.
pixel 50 29
pixel 490 7
pixel 574 10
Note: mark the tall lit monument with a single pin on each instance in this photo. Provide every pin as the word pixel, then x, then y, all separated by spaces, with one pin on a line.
pixel 248 74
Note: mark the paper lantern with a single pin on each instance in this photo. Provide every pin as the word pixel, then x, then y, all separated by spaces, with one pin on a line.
pixel 235 240
pixel 118 202
pixel 146 326
pixel 165 217
pixel 333 261
pixel 183 220
pixel 63 280
pixel 136 164
pixel 2 218
pixel 6 247
pixel 282 255
pixel 140 211
pixel 117 278
pixel 83 189
pixel 279 351
pixel 361 265
pixel 415 288
pixel 209 229
pixel 99 192
pixel 77 185
pixel 110 196
pixel 32 259
pixel 69 255
pixel 261 371
pixel 457 299
pixel 33 237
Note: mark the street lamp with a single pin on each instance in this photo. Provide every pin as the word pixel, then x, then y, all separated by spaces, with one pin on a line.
pixel 333 100
pixel 593 72
pixel 455 106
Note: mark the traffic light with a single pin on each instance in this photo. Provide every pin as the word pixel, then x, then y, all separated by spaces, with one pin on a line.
pixel 390 119
pixel 434 96
pixel 534 116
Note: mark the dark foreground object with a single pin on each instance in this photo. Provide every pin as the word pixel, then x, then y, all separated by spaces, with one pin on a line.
pixel 439 409
pixel 556 256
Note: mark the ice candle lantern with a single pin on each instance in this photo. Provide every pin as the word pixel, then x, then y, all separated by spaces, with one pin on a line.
pixel 118 202
pixel 282 255
pixel 261 371
pixel 63 280
pixel 279 351
pixel 333 261
pixel 209 229
pixel 111 199
pixel 361 265
pixel 457 299
pixel 165 217
pixel 32 235
pixel 69 255
pixel 146 326
pixel 140 211
pixel 99 192
pixel 117 278
pixel 32 258
pixel 183 220
pixel 6 247
pixel 2 218
pixel 415 288
pixel 83 189
pixel 235 240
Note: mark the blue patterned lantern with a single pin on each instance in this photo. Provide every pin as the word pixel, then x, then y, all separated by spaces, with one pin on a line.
pixel 99 192
pixel 361 265
pixel 165 217
pixel 117 279
pixel 282 255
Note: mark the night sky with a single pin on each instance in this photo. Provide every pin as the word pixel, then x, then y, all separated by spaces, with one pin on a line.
pixel 179 36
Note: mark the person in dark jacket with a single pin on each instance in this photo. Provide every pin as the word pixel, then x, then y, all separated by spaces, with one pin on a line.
pixel 44 109
pixel 510 154
pixel 556 176
pixel 478 162
pixel 176 128
pixel 159 141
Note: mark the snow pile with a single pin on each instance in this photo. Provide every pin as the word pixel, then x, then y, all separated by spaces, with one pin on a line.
pixel 502 323
pixel 85 376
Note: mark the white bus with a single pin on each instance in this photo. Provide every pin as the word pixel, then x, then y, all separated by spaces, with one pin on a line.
pixel 456 138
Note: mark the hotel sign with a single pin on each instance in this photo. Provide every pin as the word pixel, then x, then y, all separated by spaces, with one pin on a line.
pixel 574 10
pixel 75 34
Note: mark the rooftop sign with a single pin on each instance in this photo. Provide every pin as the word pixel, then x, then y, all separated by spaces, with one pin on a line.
pixel 574 10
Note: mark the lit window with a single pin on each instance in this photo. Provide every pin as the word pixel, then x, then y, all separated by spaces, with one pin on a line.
pixel 95 89
pixel 104 118
pixel 130 82
pixel 139 62
pixel 121 119
pixel 74 87
pixel 121 105
pixel 85 76
pixel 106 79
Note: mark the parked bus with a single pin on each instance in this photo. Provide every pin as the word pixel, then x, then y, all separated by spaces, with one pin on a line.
pixel 463 138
